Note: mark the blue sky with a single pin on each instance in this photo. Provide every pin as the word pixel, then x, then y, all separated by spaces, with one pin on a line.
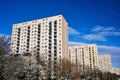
pixel 90 21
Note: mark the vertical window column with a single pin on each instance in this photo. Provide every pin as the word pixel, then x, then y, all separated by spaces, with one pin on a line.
pixel 18 40
pixel 50 47
pixel 55 46
pixel 28 39
pixel 50 40
pixel 38 39
pixel 55 40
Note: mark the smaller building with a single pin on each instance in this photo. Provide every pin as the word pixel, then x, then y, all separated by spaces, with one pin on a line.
pixel 105 64
pixel 85 57
pixel 115 71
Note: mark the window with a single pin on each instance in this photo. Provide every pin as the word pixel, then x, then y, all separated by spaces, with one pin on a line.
pixel 49 55
pixel 49 51
pixel 59 19
pixel 59 56
pixel 49 40
pixel 28 27
pixel 39 25
pixel 55 51
pixel 38 49
pixel 38 35
pixel 55 40
pixel 55 43
pixel 55 32
pixel 49 37
pixel 50 60
pixel 49 44
pixel 55 22
pixel 50 33
pixel 55 36
pixel 38 42
pixel 55 47
pixel 38 38
pixel 49 47
pixel 50 23
pixel 55 58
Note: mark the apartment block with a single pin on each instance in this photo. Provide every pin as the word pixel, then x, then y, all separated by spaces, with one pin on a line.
pixel 115 70
pixel 105 64
pixel 46 36
pixel 84 56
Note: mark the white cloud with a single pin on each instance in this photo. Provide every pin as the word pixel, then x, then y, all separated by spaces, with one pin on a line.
pixel 97 37
pixel 72 31
pixel 100 33
pixel 109 49
pixel 99 28
pixel 110 33
pixel 70 43
pixel 106 31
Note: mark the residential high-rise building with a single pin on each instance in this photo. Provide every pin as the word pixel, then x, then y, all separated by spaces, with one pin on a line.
pixel 84 56
pixel 47 36
pixel 105 64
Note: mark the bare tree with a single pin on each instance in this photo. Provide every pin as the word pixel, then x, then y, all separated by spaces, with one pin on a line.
pixel 4 45
pixel 4 49
pixel 64 69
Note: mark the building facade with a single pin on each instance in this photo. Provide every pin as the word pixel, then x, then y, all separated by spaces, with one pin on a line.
pixel 85 57
pixel 47 37
pixel 105 64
